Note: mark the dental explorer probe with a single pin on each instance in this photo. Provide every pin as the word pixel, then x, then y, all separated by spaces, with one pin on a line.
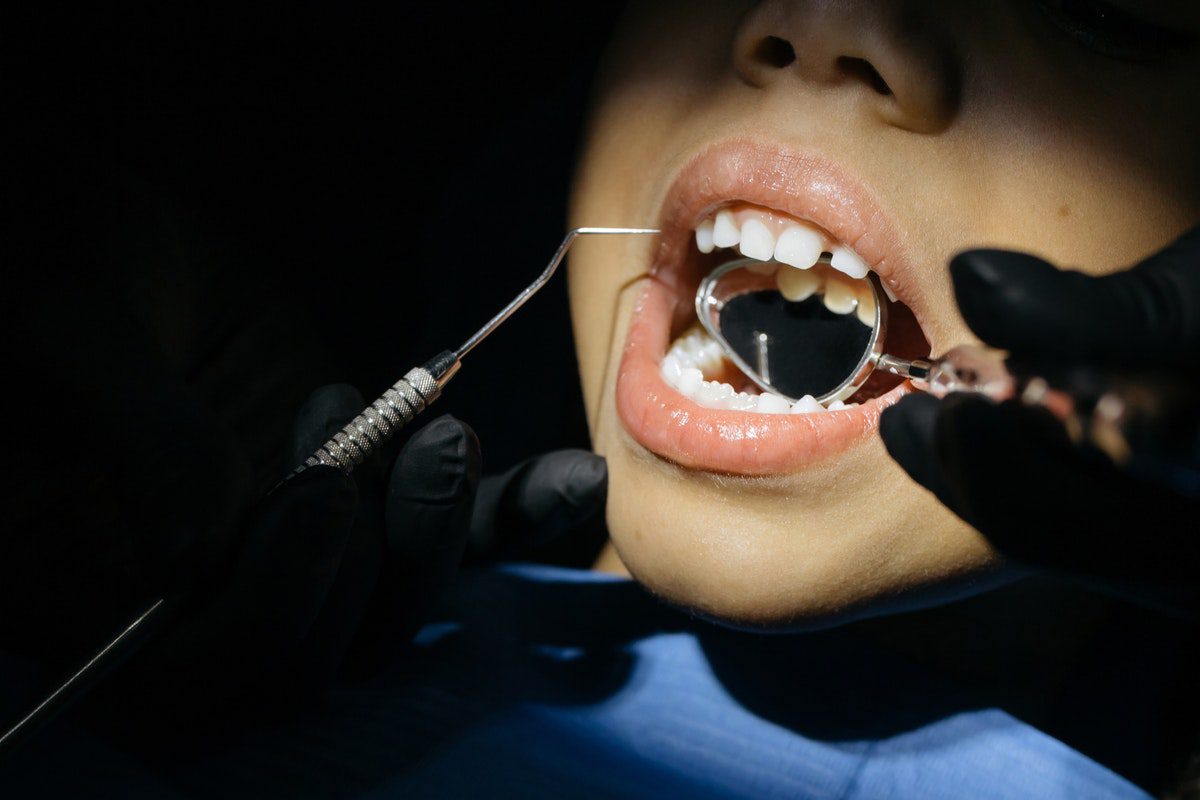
pixel 348 448
pixel 422 385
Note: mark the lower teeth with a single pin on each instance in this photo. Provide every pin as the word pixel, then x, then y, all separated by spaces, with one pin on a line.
pixel 692 364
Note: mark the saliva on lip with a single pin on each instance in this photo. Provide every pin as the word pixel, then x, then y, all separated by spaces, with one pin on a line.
pixel 789 251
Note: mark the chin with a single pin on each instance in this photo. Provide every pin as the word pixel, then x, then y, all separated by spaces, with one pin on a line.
pixel 799 551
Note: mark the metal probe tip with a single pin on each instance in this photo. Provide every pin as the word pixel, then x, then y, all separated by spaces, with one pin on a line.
pixel 541 281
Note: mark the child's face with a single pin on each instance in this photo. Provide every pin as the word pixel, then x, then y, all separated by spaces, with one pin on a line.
pixel 1069 130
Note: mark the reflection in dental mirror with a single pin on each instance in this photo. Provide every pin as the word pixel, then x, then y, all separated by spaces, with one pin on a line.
pixel 796 333
pixel 795 348
pixel 809 338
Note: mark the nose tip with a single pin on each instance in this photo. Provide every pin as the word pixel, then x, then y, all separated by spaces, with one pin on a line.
pixel 884 52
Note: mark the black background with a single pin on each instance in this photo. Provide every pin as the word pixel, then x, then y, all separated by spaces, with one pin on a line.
pixel 391 176
pixel 256 201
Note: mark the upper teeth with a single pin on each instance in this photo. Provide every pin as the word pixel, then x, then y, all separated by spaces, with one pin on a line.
pixel 695 362
pixel 847 261
pixel 767 236
pixel 756 241
pixel 799 246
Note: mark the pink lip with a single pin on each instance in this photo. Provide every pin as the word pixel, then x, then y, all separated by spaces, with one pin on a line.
pixel 672 426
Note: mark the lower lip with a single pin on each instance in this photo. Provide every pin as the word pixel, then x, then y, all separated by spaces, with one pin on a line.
pixel 672 426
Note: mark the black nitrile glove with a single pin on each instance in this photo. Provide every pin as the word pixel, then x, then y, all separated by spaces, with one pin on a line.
pixel 336 573
pixel 1010 470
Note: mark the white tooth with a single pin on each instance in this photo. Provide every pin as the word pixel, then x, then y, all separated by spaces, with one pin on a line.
pixel 690 380
pixel 705 395
pixel 680 353
pixel 742 401
pixel 700 352
pixel 671 369
pixel 797 285
pixel 888 291
pixel 711 351
pixel 704 236
pixel 757 241
pixel 799 247
pixel 837 405
pixel 846 260
pixel 713 394
pixel 839 296
pixel 866 304
pixel 772 404
pixel 686 360
pixel 725 229
pixel 807 405
pixel 690 346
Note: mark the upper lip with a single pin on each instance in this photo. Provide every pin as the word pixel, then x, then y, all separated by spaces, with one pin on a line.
pixel 802 185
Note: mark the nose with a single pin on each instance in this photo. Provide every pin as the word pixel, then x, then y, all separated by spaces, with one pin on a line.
pixel 887 52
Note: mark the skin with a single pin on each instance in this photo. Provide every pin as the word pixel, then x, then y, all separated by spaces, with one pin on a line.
pixel 1000 131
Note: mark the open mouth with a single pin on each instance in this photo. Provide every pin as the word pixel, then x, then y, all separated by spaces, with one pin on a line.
pixel 678 395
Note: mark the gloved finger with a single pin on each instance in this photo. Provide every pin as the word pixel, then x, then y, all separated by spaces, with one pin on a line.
pixel 242 645
pixel 323 414
pixel 1012 473
pixel 328 410
pixel 1147 314
pixel 538 501
pixel 427 514
pixel 986 477
pixel 909 432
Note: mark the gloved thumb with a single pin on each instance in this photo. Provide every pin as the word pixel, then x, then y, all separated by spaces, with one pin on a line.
pixel 540 500
pixel 1147 315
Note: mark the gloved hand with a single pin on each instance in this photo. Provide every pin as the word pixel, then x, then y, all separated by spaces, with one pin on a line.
pixel 1010 471
pixel 335 573
pixel 148 373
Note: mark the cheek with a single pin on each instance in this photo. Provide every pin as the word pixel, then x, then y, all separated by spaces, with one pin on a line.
pixel 589 319
pixel 1091 164
pixel 603 288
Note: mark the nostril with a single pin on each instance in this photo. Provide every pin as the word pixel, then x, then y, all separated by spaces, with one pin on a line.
pixel 864 71
pixel 775 52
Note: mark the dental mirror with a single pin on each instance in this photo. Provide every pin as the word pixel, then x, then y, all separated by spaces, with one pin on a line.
pixel 800 332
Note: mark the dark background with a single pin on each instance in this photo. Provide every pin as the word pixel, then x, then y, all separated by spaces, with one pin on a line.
pixel 220 209
pixel 388 176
